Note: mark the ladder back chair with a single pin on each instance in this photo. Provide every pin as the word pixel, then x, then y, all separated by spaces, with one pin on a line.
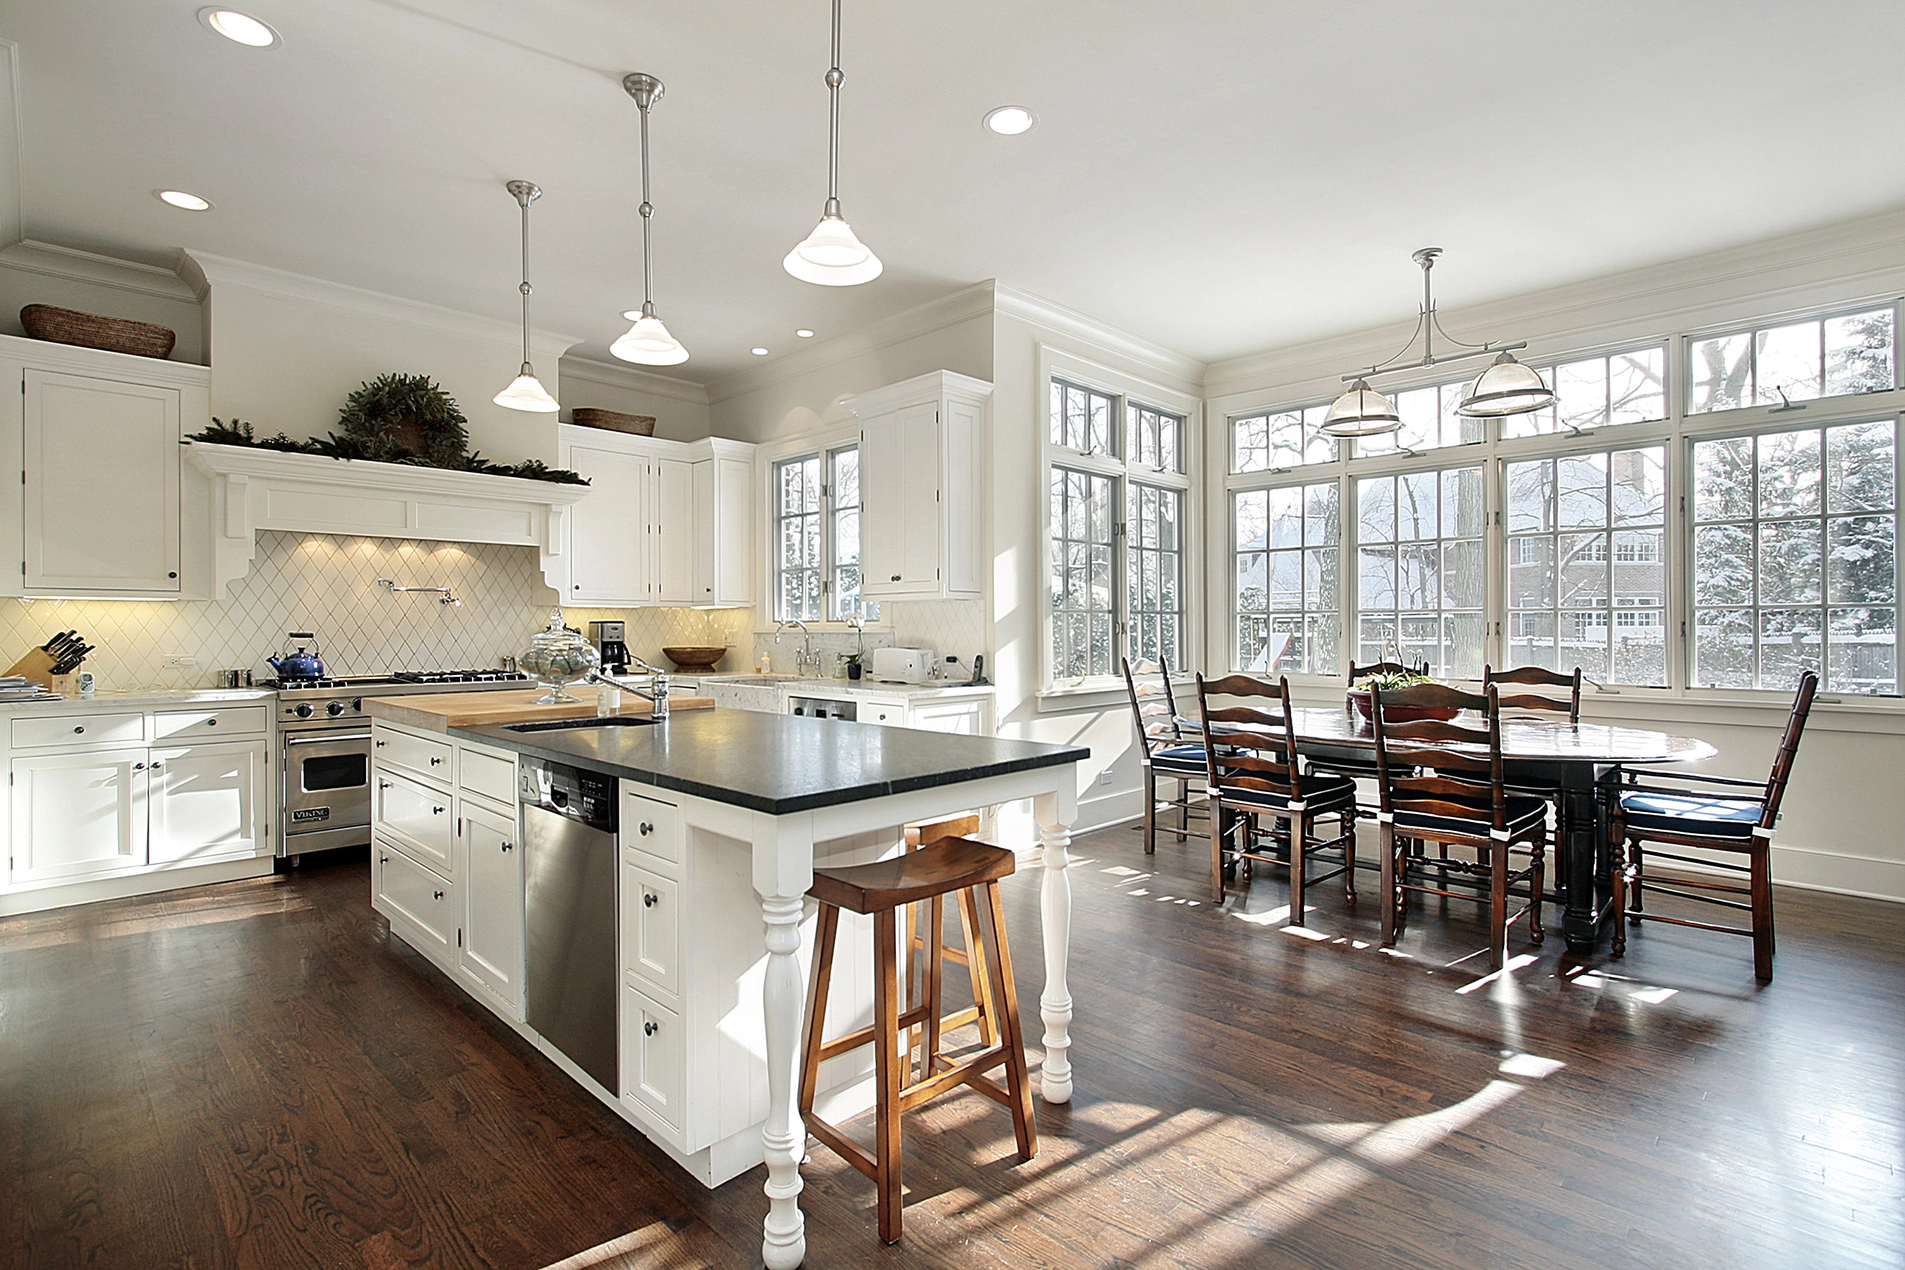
pixel 1432 791
pixel 1255 773
pixel 1712 814
pixel 1540 703
pixel 1170 746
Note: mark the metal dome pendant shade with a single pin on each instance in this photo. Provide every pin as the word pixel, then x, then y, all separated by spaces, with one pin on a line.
pixel 648 342
pixel 525 392
pixel 833 254
pixel 1506 388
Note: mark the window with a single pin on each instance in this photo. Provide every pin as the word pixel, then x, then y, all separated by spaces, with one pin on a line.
pixel 1429 420
pixel 1795 559
pixel 1597 392
pixel 1765 366
pixel 1154 569
pixel 1152 439
pixel 1281 439
pixel 1082 419
pixel 817 538
pixel 1566 517
pixel 1081 574
pixel 1419 570
pixel 1287 593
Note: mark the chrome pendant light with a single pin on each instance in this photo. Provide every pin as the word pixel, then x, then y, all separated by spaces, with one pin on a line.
pixel 1506 388
pixel 833 255
pixel 525 392
pixel 648 341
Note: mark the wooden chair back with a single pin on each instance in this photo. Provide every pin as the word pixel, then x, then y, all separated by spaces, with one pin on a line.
pixel 1412 756
pixel 1153 705
pixel 1259 752
pixel 1536 676
pixel 1384 668
pixel 1788 748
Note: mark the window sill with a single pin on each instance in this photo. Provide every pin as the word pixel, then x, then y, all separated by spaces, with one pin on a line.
pixel 1106 693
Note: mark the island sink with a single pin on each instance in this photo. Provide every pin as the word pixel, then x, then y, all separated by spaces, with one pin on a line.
pixel 573 725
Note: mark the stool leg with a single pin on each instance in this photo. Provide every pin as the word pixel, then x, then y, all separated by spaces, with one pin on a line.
pixel 915 982
pixel 886 1061
pixel 817 985
pixel 935 962
pixel 999 963
pixel 976 970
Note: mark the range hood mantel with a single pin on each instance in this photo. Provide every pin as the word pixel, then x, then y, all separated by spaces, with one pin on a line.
pixel 256 489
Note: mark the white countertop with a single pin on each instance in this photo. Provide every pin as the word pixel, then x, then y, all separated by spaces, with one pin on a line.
pixel 139 698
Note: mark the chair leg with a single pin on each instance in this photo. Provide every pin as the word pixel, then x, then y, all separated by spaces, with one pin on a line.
pixel 818 983
pixel 1637 866
pixel 1497 904
pixel 1150 810
pixel 1349 856
pixel 1617 873
pixel 886 1064
pixel 1216 852
pixel 1183 807
pixel 1760 861
pixel 1018 1083
pixel 1386 845
pixel 1538 877
pixel 1299 837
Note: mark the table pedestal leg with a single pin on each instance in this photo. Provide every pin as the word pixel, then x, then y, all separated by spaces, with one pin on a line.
pixel 1055 921
pixel 1580 843
pixel 784 1237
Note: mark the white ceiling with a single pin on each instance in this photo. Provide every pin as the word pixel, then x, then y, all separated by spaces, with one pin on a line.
pixel 1218 177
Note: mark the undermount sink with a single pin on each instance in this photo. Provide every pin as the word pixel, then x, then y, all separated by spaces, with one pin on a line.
pixel 572 725
pixel 749 681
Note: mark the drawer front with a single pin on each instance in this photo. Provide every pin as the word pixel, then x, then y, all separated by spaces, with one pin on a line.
pixel 491 775
pixel 654 1059
pixel 651 929
pixel 208 724
pixel 428 758
pixel 888 716
pixel 651 830
pixel 79 729
pixel 424 902
pixel 417 816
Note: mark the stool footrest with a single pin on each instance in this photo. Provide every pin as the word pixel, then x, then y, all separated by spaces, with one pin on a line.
pixel 842 1146
pixel 960 1073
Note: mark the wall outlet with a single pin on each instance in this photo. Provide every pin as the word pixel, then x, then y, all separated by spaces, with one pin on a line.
pixel 180 661
pixel 1104 777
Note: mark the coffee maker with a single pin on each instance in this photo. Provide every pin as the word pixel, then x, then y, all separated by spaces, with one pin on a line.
pixel 608 639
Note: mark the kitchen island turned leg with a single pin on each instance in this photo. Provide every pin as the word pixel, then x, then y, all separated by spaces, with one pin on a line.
pixel 1055 813
pixel 783 870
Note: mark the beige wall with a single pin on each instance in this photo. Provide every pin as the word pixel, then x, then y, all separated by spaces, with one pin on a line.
pixel 35 273
pixel 680 408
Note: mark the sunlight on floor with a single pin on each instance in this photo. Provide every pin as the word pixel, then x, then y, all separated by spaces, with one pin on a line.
pixel 1620 985
pixel 653 1244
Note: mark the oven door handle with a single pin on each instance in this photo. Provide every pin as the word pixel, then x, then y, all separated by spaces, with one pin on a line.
pixel 332 738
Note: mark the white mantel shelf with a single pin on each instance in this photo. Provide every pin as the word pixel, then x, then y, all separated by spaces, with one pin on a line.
pixel 258 489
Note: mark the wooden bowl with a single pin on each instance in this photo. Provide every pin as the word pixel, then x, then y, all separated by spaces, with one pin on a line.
pixel 694 658
pixel 1359 697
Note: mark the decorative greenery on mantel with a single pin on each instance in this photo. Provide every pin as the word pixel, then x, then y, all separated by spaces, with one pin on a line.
pixel 404 419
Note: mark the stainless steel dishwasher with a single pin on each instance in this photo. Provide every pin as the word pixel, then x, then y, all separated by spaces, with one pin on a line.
pixel 569 821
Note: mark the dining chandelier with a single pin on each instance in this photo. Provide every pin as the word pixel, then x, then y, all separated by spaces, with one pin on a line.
pixel 1506 388
pixel 648 341
pixel 525 392
pixel 833 255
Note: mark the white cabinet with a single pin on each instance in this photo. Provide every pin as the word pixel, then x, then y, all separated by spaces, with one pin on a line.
pixel 724 524
pixel 405 891
pixel 492 949
pixel 671 533
pixel 204 801
pixel 654 1059
pixel 922 448
pixel 77 814
pixel 608 540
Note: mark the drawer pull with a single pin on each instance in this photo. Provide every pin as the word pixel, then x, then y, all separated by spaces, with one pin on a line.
pixel 383 784
pixel 896 577
pixel 382 744
pixel 383 859
pixel 436 762
pixel 647 828
pixel 650 1027
pixel 438 811
pixel 436 895
pixel 509 846
pixel 650 899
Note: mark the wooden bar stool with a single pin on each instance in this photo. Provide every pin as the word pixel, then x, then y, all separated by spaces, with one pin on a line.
pixel 924 834
pixel 952 864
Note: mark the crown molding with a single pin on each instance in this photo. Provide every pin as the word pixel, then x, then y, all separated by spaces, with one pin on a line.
pixel 70 263
pixel 632 379
pixel 935 315
pixel 1126 347
pixel 223 271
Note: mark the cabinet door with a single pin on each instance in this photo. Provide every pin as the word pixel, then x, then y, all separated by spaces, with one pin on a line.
pixel 608 537
pixel 960 718
pixel 882 508
pixel 204 801
pixel 724 531
pixel 919 496
pixel 418 817
pixel 75 814
pixel 672 540
pixel 493 914
pixel 102 486
pixel 405 891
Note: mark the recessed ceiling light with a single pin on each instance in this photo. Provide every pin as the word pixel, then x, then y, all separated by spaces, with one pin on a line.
pixel 240 28
pixel 179 198
pixel 1010 121
pixel 760 352
pixel 804 333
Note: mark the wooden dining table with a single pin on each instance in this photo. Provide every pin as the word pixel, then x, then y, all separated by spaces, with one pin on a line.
pixel 1584 759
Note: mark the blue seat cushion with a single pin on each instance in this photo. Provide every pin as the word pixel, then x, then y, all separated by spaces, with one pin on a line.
pixel 1691 813
pixel 1187 760
pixel 1321 793
pixel 1523 814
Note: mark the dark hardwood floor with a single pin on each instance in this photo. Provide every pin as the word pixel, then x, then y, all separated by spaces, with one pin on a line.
pixel 257 1075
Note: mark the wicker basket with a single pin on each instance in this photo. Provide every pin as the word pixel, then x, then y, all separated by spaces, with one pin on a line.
pixel 90 330
pixel 615 421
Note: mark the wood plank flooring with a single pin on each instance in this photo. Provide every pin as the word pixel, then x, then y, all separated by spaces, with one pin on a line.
pixel 257 1075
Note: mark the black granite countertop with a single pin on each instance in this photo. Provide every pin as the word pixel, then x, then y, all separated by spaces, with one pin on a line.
pixel 779 763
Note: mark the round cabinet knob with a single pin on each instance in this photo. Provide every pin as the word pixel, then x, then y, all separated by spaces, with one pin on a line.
pixel 158 767
pixel 383 859
pixel 509 846
pixel 80 728
pixel 436 811
pixel 383 784
pixel 650 899
pixel 212 722
pixel 896 577
pixel 380 744
pixel 138 767
pixel 436 762
pixel 304 710
pixel 172 574
pixel 436 895
pixel 647 829
pixel 334 709
pixel 650 1028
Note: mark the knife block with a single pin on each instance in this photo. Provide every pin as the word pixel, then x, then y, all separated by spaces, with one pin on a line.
pixel 37 665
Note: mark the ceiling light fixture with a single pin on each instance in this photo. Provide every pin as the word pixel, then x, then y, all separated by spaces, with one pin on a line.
pixel 179 198
pixel 832 256
pixel 804 333
pixel 525 392
pixel 648 342
pixel 1506 388
pixel 239 28
pixel 1010 121
pixel 758 351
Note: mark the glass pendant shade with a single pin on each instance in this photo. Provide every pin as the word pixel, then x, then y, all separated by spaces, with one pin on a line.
pixel 648 343
pixel 525 392
pixel 833 256
pixel 1506 388
pixel 1361 412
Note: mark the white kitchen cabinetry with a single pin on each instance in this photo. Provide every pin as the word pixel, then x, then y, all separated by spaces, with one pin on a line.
pixel 105 505
pixel 960 713
pixel 492 948
pixel 78 814
pixel 922 447
pixel 203 801
pixel 724 524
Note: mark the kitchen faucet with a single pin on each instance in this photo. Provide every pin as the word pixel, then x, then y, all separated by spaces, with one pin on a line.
pixel 657 691
pixel 806 654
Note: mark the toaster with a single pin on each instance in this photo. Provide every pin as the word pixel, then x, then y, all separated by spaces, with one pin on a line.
pixel 902 665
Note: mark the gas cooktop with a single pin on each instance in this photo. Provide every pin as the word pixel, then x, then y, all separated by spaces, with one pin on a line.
pixel 483 678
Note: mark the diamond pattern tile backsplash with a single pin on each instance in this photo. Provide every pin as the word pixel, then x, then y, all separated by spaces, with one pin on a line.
pixel 328 584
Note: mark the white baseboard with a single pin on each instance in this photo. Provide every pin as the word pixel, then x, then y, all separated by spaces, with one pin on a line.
pixel 1839 872
pixel 147 882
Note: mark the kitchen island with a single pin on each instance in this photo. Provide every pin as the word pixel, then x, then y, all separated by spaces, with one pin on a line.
pixel 724 814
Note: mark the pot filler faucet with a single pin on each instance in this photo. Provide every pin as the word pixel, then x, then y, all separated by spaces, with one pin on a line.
pixel 657 691
pixel 806 658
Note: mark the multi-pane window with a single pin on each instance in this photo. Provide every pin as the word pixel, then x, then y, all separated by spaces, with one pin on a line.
pixel 1154 569
pixel 843 491
pixel 1768 366
pixel 1083 419
pixel 1584 530
pixel 1280 439
pixel 1795 558
pixel 1419 569
pixel 817 537
pixel 1287 593
pixel 1083 518
pixel 1429 420
pixel 1152 438
pixel 1596 392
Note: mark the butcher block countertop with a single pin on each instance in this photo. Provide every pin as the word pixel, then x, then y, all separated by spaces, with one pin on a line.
pixel 441 711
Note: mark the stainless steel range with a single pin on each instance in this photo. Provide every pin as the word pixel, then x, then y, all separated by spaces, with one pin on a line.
pixel 326 797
